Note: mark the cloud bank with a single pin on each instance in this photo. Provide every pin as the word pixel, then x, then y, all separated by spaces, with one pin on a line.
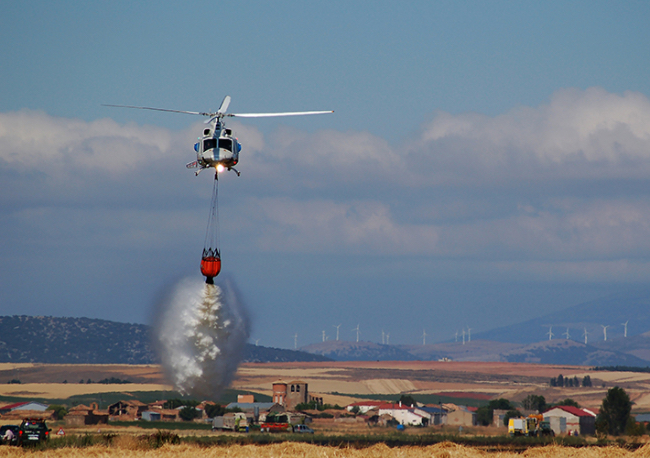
pixel 558 191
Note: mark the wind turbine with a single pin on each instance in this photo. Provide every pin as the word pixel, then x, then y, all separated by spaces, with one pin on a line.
pixel 604 331
pixel 337 331
pixel 257 341
pixel 469 334
pixel 550 333
pixel 456 336
pixel 424 337
pixel 295 341
pixel 323 335
pixel 585 334
pixel 566 334
pixel 357 329
pixel 387 339
pixel 463 336
pixel 625 328
pixel 383 337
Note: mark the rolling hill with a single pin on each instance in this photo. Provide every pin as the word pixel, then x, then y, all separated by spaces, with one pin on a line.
pixel 53 340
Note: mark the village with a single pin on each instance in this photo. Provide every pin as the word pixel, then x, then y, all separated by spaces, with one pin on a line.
pixel 292 405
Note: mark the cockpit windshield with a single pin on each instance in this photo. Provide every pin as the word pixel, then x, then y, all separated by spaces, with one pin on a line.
pixel 225 143
pixel 209 143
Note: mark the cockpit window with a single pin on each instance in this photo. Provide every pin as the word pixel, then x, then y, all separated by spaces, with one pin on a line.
pixel 225 143
pixel 209 144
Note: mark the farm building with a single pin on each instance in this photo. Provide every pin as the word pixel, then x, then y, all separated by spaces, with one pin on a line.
pixel 406 415
pixel 364 406
pixel 577 420
pixel 461 416
pixel 150 415
pixel 18 406
pixel 86 415
pixel 131 409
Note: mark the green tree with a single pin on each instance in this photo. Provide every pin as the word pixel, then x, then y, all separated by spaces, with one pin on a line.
pixel 615 410
pixel 59 411
pixel 534 402
pixel 175 403
pixel 408 400
pixel 568 402
pixel 214 410
pixel 485 414
pixel 188 413
pixel 632 428
pixel 586 381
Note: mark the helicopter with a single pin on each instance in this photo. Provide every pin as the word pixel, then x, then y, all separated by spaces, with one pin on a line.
pixel 218 147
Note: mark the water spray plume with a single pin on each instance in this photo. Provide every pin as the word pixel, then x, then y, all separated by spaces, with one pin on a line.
pixel 200 333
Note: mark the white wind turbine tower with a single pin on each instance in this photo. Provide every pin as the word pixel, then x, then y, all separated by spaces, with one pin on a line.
pixel 456 336
pixel 383 337
pixel 357 329
pixel 463 337
pixel 337 331
pixel 550 333
pixel 625 328
pixel 469 334
pixel 585 334
pixel 604 331
pixel 566 334
pixel 295 341
pixel 323 335
pixel 424 337
pixel 387 339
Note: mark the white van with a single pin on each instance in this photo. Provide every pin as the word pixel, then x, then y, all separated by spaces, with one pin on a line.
pixel 302 429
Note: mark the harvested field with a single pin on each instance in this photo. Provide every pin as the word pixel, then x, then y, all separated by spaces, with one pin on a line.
pixel 128 449
pixel 344 382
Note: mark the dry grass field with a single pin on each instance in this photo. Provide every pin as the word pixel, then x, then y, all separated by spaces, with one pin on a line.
pixel 127 448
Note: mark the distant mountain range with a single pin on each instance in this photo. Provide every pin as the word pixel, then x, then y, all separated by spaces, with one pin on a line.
pixel 558 351
pixel 613 311
pixel 52 340
pixel 84 340
pixel 527 341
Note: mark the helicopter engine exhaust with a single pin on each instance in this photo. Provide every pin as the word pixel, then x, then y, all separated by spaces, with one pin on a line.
pixel 200 331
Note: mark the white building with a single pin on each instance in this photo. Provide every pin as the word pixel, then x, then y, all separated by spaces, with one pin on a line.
pixel 412 416
pixel 580 421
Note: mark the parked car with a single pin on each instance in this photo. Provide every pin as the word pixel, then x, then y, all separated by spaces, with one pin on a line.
pixel 3 432
pixel 33 431
pixel 302 429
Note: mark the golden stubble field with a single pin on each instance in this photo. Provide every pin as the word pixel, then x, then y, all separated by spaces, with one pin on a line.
pixel 301 450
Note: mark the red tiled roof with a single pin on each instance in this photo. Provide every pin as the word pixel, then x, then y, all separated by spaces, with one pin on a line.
pixel 572 410
pixel 13 406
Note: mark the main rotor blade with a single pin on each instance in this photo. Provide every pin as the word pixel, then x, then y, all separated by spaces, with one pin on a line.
pixel 224 105
pixel 268 115
pixel 160 109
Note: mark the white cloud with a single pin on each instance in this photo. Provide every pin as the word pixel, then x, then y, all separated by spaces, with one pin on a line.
pixel 564 184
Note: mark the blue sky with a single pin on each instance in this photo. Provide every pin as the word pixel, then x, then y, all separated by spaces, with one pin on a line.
pixel 487 161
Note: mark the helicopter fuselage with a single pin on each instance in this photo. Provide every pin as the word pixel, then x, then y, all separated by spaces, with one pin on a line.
pixel 217 148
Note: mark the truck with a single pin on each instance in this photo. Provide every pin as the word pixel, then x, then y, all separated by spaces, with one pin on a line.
pixel 232 421
pixel 534 425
